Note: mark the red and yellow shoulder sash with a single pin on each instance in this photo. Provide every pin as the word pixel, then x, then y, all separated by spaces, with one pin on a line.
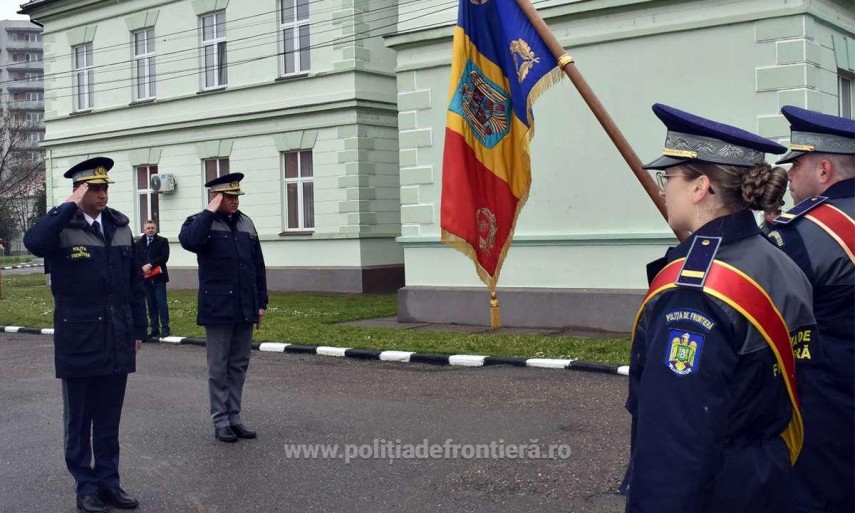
pixel 829 218
pixel 837 224
pixel 746 296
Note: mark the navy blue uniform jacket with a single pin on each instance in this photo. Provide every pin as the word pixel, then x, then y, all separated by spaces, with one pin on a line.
pixel 706 435
pixel 825 368
pixel 232 276
pixel 97 288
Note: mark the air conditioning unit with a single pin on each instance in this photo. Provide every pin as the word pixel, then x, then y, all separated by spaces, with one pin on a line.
pixel 164 182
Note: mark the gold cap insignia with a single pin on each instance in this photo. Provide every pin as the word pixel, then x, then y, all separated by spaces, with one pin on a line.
pixel 234 184
pixel 101 171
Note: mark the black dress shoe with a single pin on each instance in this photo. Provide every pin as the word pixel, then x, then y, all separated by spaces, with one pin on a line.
pixel 242 432
pixel 90 504
pixel 154 334
pixel 225 434
pixel 117 498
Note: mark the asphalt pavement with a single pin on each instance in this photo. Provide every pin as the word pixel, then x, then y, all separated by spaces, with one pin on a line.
pixel 172 464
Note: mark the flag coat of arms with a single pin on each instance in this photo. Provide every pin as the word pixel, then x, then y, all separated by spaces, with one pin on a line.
pixel 500 66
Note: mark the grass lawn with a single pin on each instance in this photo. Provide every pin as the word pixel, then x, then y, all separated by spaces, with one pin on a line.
pixel 15 260
pixel 311 319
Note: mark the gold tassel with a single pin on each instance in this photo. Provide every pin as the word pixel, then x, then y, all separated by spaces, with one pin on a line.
pixel 495 314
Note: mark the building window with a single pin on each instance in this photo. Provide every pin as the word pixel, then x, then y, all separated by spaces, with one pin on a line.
pixel 148 200
pixel 299 190
pixel 31 37
pixel 215 168
pixel 24 57
pixel 84 78
pixel 294 26
pixel 214 59
pixel 144 75
pixel 846 95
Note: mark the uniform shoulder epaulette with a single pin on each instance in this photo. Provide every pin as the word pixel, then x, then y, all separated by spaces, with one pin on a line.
pixel 698 262
pixel 799 210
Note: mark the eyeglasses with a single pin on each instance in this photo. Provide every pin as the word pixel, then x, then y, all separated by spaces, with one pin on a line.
pixel 662 179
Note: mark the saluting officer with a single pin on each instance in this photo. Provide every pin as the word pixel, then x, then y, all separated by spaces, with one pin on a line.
pixel 819 235
pixel 232 297
pixel 715 423
pixel 99 323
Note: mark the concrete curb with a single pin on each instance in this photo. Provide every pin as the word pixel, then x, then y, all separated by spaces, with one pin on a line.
pixel 456 360
pixel 22 266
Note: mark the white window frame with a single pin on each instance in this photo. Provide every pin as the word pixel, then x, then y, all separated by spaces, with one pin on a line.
pixel 220 172
pixel 145 77
pixel 294 16
pixel 300 180
pixel 146 195
pixel 84 78
pixel 216 41
pixel 845 94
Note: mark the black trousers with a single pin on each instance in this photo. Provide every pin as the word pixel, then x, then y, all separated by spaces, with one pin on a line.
pixel 92 409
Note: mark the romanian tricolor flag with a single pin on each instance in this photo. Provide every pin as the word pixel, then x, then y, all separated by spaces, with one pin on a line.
pixel 500 66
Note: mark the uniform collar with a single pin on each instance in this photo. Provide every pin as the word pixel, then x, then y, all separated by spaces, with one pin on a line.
pixel 90 219
pixel 842 189
pixel 730 228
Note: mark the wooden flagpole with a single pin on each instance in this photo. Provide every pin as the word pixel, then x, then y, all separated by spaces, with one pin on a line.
pixel 569 67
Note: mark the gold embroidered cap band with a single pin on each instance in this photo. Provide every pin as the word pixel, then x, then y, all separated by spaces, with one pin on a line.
pixel 227 184
pixel 92 171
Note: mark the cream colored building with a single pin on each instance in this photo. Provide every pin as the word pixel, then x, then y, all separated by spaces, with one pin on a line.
pixel 292 93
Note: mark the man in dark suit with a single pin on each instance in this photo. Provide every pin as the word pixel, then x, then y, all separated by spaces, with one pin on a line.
pixel 99 323
pixel 153 252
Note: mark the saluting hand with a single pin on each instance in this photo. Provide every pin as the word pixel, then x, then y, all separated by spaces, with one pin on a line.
pixel 214 204
pixel 77 196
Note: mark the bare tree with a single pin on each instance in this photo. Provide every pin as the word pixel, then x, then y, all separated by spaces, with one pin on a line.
pixel 22 167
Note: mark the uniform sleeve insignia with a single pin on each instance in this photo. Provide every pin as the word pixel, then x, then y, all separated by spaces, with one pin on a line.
pixel 686 315
pixel 683 356
pixel 775 237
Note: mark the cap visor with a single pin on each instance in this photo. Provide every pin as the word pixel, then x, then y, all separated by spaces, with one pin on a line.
pixel 791 156
pixel 95 181
pixel 234 193
pixel 664 162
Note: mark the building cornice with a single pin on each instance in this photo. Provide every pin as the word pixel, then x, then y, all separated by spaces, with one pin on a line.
pixel 820 10
pixel 211 121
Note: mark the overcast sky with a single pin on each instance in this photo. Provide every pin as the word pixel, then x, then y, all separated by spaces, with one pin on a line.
pixel 8 8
